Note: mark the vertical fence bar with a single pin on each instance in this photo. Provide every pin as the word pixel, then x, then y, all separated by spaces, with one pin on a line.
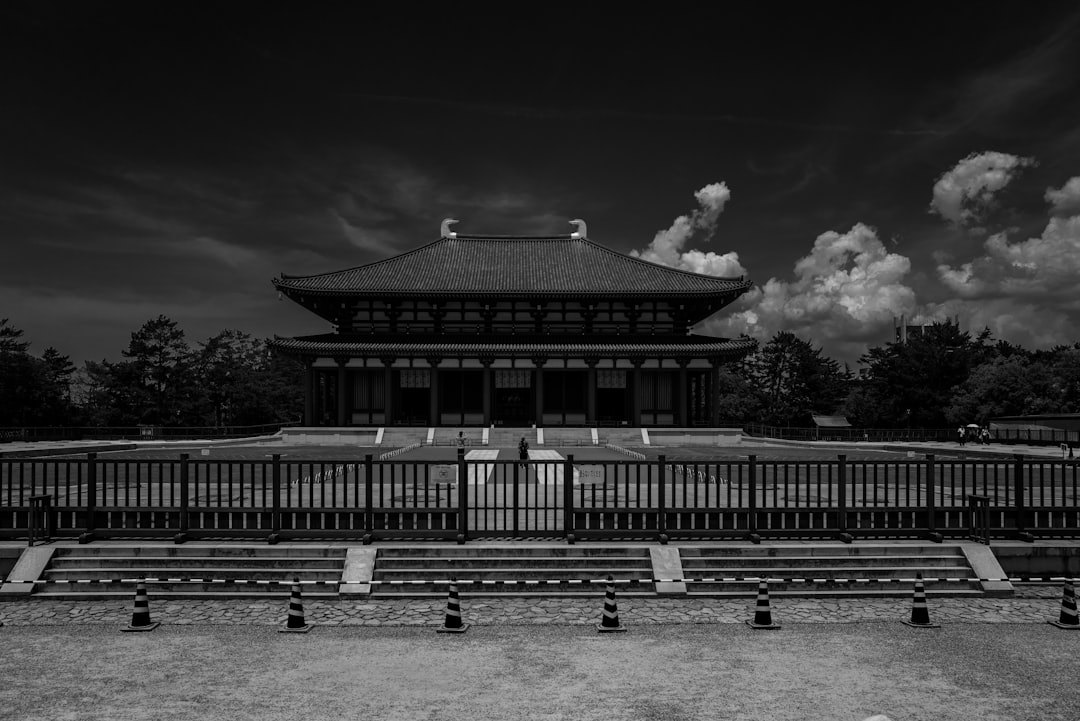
pixel 751 523
pixel 275 508
pixel 1020 509
pixel 841 494
pixel 568 498
pixel 661 504
pixel 931 501
pixel 91 498
pixel 463 498
pixel 181 534
pixel 369 498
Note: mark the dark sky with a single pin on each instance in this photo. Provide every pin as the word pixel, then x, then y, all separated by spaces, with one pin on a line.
pixel 856 163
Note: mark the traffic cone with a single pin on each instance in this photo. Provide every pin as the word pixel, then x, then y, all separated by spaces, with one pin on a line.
pixel 763 613
pixel 1068 619
pixel 140 614
pixel 610 621
pixel 453 623
pixel 295 624
pixel 920 615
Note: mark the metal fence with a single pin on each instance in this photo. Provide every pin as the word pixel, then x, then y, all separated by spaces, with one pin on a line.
pixel 276 498
pixel 1035 436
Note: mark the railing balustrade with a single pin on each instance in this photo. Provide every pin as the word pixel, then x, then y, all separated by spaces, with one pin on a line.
pixel 276 497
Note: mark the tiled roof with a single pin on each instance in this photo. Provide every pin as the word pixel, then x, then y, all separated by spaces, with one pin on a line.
pixel 400 345
pixel 509 266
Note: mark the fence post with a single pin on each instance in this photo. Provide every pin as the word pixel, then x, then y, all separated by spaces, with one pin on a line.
pixel 463 498
pixel 1020 511
pixel 931 501
pixel 841 497
pixel 181 535
pixel 752 521
pixel 568 498
pixel 91 498
pixel 275 507
pixel 369 498
pixel 661 518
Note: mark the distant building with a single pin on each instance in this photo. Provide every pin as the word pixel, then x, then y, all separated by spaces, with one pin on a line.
pixel 902 330
pixel 514 331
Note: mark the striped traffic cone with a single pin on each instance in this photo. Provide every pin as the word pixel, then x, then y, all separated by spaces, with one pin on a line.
pixel 1068 619
pixel 920 615
pixel 140 614
pixel 453 623
pixel 763 612
pixel 296 623
pixel 610 621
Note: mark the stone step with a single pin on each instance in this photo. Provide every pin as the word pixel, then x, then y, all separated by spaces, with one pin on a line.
pixel 282 574
pixel 821 561
pixel 519 551
pixel 898 549
pixel 158 592
pixel 526 564
pixel 185 562
pixel 513 574
pixel 835 572
pixel 220 551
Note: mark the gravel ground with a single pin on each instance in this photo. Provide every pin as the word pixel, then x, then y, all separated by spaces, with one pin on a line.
pixel 813 671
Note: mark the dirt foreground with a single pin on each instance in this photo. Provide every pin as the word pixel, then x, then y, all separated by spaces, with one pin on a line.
pixel 833 672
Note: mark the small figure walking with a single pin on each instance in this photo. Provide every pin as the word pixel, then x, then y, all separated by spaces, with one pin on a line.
pixel 961 432
pixel 461 439
pixel 984 436
pixel 523 452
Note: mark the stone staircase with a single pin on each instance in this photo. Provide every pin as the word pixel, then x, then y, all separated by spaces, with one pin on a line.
pixel 399 437
pixel 221 568
pixel 884 570
pixel 483 571
pixel 555 437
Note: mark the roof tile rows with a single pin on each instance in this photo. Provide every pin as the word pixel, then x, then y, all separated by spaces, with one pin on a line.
pixel 512 266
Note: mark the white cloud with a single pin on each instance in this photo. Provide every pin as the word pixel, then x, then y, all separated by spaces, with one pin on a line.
pixel 1065 200
pixel 963 194
pixel 1045 268
pixel 667 246
pixel 846 290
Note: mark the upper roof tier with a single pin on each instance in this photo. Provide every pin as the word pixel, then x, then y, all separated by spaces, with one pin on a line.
pixel 476 265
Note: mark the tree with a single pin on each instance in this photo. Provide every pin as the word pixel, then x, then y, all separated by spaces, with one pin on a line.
pixel 162 368
pixel 795 380
pixel 1005 386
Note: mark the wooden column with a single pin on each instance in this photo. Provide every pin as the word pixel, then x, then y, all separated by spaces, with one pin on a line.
pixel 682 417
pixel 341 395
pixel 433 410
pixel 539 394
pixel 714 395
pixel 309 395
pixel 635 395
pixel 590 393
pixel 388 393
pixel 488 380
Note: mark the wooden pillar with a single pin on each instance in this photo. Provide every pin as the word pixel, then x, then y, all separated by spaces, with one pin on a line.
pixel 590 393
pixel 487 394
pixel 341 395
pixel 309 395
pixel 635 395
pixel 433 410
pixel 388 394
pixel 682 400
pixel 539 398
pixel 714 395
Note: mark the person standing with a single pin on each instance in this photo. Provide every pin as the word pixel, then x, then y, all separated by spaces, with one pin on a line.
pixel 961 432
pixel 461 439
pixel 523 452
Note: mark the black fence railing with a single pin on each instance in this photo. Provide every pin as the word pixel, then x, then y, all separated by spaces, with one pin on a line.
pixel 897 435
pixel 275 497
pixel 140 432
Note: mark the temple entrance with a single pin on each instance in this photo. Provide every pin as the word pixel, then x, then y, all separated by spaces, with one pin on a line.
pixel 513 398
pixel 413 397
pixel 565 398
pixel 612 400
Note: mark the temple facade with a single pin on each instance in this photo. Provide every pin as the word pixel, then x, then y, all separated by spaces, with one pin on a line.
pixel 475 330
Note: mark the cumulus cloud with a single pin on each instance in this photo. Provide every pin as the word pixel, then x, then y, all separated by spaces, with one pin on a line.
pixel 667 247
pixel 848 289
pixel 963 195
pixel 1065 201
pixel 1043 268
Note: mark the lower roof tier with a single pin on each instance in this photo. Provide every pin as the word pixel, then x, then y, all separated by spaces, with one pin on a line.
pixel 628 346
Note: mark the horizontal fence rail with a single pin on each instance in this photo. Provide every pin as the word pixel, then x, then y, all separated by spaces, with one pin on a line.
pixel 275 497
pixel 1033 436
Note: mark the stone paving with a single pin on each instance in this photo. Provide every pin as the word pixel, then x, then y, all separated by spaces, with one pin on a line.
pixel 1035 604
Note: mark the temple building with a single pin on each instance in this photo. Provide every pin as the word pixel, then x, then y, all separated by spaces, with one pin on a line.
pixel 480 330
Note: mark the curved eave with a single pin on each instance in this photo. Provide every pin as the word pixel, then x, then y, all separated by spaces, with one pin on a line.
pixel 719 348
pixel 737 288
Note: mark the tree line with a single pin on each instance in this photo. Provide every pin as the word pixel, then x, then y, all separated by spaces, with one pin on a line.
pixel 231 379
pixel 938 378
